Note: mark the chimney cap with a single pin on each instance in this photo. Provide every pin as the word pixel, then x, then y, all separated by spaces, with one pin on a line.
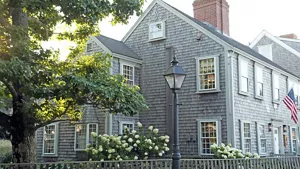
pixel 289 36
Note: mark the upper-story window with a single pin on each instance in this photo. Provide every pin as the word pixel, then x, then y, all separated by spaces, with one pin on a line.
pixel 128 73
pixel 89 47
pixel 50 139
pixel 266 51
pixel 293 84
pixel 157 31
pixel 259 83
pixel 243 75
pixel 207 73
pixel 83 135
pixel 276 89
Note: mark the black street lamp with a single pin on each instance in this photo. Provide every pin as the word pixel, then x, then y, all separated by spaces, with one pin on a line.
pixel 175 77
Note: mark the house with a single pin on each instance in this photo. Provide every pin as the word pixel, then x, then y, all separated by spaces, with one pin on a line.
pixel 232 94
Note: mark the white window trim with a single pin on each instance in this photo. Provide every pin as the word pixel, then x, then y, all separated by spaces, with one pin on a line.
pixel 291 139
pixel 87 44
pixel 258 66
pixel 217 78
pixel 125 122
pixel 124 63
pixel 259 139
pixel 218 127
pixel 273 87
pixel 243 59
pixel 87 134
pixel 242 122
pixel 163 25
pixel 55 140
pixel 270 48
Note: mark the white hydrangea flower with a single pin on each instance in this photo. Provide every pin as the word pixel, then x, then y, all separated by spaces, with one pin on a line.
pixel 146 154
pixel 133 132
pixel 167 148
pixel 150 148
pixel 94 134
pixel 155 148
pixel 130 140
pixel 138 141
pixel 136 136
pixel 155 131
pixel 162 137
pixel 160 154
pixel 167 140
pixel 134 145
pixel 150 128
pixel 140 125
pixel 136 157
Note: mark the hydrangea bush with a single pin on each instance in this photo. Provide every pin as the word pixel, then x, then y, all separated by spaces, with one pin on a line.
pixel 134 145
pixel 227 151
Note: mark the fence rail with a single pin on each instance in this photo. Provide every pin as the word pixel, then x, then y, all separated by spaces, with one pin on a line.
pixel 262 163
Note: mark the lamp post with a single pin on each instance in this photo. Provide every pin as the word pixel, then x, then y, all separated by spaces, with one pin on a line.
pixel 175 77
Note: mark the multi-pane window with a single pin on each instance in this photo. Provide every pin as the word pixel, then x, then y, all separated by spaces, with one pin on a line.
pixel 294 139
pixel 276 90
pixel 128 74
pixel 243 75
pixel 128 125
pixel 259 81
pixel 156 30
pixel 246 137
pixel 50 139
pixel 208 136
pixel 207 73
pixel 83 135
pixel 262 141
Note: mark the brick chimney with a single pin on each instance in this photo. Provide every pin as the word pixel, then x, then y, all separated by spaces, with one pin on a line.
pixel 289 36
pixel 215 12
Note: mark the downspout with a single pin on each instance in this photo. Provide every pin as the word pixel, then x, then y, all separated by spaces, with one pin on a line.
pixel 229 97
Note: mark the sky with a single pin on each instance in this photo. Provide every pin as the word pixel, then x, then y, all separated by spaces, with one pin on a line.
pixel 247 18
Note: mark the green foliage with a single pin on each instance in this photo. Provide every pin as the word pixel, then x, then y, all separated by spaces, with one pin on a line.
pixel 132 145
pixel 5 151
pixel 227 151
pixel 35 86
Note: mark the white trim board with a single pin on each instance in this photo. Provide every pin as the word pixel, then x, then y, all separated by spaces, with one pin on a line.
pixel 274 39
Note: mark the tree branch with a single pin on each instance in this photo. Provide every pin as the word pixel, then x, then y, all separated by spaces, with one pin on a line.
pixel 10 88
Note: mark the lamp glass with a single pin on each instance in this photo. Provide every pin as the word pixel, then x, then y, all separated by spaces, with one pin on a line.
pixel 179 78
pixel 170 80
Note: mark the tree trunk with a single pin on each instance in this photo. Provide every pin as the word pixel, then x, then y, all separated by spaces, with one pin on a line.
pixel 23 149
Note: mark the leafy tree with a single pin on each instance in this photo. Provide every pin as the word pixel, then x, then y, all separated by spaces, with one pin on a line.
pixel 35 88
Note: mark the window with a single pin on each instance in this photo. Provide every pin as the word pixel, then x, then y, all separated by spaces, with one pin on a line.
pixel 83 135
pixel 126 124
pixel 208 135
pixel 207 73
pixel 245 136
pixel 243 75
pixel 128 73
pixel 266 51
pixel 50 139
pixel 156 30
pixel 261 137
pixel 276 90
pixel 259 81
pixel 294 139
pixel 89 47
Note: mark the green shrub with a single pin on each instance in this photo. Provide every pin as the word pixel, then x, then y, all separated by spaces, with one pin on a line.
pixel 5 151
pixel 133 145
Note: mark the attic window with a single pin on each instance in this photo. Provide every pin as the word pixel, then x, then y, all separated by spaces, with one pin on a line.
pixel 156 31
pixel 89 47
pixel 266 51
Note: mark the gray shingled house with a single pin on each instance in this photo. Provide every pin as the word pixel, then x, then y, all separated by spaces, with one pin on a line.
pixel 232 94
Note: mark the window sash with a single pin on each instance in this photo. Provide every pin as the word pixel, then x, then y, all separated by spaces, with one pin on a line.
pixel 244 84
pixel 276 94
pixel 83 135
pixel 208 135
pixel 294 139
pixel 244 68
pixel 50 139
pixel 128 124
pixel 245 136
pixel 128 74
pixel 207 73
pixel 156 30
pixel 259 89
pixel 243 75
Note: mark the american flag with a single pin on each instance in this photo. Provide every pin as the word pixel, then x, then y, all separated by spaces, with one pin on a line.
pixel 289 101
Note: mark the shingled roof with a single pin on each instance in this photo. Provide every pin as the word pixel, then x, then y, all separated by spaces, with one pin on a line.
pixel 118 47
pixel 231 41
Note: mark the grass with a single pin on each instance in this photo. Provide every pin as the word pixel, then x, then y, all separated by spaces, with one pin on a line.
pixel 5 148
